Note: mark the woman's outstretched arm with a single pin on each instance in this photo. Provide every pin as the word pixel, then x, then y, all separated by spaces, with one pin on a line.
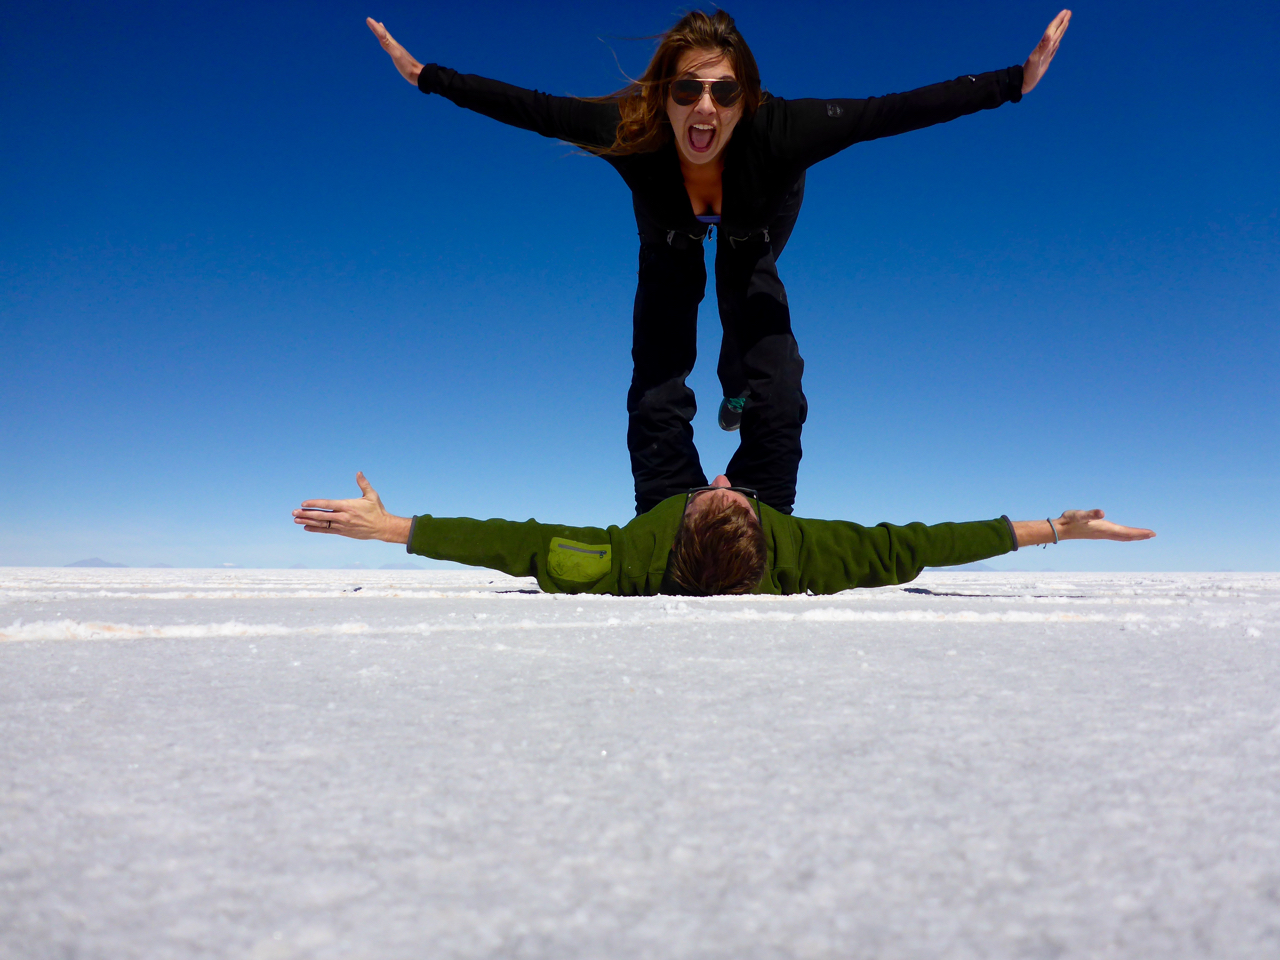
pixel 1075 525
pixel 805 132
pixel 585 123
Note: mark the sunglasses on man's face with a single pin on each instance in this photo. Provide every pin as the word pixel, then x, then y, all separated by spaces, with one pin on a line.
pixel 688 92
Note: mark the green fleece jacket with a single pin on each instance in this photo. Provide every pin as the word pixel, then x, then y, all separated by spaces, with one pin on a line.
pixel 804 556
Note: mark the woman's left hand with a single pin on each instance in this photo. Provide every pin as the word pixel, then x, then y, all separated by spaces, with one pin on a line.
pixel 1042 55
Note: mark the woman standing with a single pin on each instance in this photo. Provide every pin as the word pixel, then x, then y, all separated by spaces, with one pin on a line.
pixel 700 143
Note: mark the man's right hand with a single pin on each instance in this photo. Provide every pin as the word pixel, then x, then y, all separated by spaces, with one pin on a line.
pixel 1075 525
pixel 409 68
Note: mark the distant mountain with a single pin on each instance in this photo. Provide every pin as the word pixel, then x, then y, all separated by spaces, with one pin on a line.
pixel 95 562
pixel 401 566
pixel 970 568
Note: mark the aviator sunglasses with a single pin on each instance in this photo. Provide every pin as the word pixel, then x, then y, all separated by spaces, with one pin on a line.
pixel 687 92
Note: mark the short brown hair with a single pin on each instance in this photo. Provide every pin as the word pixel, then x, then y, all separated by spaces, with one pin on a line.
pixel 718 551
pixel 643 103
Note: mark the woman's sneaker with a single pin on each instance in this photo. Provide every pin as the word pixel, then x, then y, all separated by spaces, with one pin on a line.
pixel 730 416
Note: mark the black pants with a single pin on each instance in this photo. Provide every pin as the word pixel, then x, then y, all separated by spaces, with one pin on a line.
pixel 758 358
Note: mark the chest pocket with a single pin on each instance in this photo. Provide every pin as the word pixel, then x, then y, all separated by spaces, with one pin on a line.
pixel 578 562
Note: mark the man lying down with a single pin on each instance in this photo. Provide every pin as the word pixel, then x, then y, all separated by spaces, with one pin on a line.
pixel 717 539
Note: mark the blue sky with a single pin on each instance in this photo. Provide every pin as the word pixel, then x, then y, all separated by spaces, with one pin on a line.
pixel 240 259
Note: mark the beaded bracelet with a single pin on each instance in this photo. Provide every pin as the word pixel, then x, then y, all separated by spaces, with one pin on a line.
pixel 1045 546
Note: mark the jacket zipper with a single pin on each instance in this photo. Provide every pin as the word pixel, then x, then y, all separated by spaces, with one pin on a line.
pixel 594 553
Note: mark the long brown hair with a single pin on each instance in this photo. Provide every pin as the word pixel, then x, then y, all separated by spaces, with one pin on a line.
pixel 718 551
pixel 643 102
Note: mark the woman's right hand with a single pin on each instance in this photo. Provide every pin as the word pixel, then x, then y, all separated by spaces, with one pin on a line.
pixel 409 68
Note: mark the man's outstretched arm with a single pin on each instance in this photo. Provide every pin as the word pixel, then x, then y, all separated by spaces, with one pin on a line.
pixel 834 555
pixel 563 559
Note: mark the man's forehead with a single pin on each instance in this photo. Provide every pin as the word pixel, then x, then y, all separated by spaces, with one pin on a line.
pixel 723 495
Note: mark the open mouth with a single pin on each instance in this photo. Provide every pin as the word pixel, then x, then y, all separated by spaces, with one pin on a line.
pixel 701 136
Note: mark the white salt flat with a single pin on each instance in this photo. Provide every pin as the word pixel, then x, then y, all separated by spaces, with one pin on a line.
pixel 396 764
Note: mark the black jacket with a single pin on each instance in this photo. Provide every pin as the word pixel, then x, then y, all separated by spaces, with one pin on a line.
pixel 765 155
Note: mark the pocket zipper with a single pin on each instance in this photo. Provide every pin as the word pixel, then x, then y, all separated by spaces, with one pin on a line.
pixel 594 553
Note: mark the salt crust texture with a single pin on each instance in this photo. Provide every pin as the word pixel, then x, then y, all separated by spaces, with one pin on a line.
pixel 372 764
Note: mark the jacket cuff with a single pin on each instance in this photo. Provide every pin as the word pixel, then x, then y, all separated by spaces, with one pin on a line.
pixel 1007 522
pixel 1012 83
pixel 427 78
pixel 408 547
